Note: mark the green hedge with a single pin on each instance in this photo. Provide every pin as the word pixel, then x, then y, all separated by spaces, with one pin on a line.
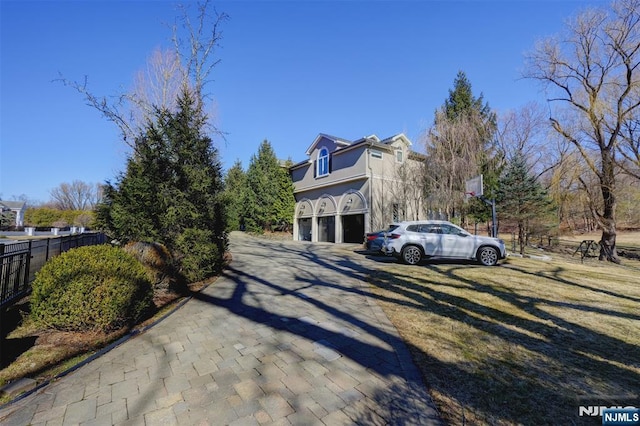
pixel 199 257
pixel 91 288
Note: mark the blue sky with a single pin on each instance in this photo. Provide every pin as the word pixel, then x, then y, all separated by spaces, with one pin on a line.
pixel 289 70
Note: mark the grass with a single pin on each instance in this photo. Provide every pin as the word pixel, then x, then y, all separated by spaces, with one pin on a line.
pixel 526 342
pixel 622 238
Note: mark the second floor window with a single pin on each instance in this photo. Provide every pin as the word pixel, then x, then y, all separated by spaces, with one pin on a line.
pixel 323 163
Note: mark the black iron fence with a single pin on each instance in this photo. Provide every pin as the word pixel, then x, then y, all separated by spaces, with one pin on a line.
pixel 19 262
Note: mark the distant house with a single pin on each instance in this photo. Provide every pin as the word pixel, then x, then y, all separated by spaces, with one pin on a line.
pixel 345 189
pixel 14 209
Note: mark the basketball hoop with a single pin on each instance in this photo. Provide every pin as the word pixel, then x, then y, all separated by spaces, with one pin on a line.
pixel 473 188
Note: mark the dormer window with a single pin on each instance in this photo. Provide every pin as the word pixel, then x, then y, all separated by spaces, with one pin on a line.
pixel 399 155
pixel 323 163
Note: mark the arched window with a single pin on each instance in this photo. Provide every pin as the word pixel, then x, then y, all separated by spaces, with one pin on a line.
pixel 323 163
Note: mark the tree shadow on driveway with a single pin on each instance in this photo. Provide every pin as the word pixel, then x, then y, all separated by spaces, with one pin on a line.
pixel 306 271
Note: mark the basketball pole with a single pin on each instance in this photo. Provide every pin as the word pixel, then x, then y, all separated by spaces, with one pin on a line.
pixel 492 203
pixel 474 188
pixel 494 222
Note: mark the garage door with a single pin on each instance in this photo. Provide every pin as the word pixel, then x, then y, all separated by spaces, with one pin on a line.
pixel 353 228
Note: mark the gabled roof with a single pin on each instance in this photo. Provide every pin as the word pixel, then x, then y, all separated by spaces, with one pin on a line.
pixel 345 145
pixel 370 138
pixel 16 205
pixel 336 140
pixel 399 136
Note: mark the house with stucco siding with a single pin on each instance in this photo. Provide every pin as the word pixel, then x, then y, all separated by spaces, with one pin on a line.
pixel 344 189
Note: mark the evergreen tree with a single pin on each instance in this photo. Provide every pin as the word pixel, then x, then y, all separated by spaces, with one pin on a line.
pixel 285 203
pixel 269 201
pixel 171 191
pixel 235 187
pixel 462 102
pixel 521 198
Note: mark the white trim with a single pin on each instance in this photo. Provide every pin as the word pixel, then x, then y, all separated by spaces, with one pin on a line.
pixel 332 183
pixel 321 136
pixel 322 160
pixel 395 153
pixel 357 193
pixel 306 202
pixel 380 146
pixel 318 206
pixel 395 138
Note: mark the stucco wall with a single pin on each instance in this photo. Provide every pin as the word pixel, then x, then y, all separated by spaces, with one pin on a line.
pixel 358 183
pixel 345 165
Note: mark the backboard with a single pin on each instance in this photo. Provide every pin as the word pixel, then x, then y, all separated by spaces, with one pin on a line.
pixel 473 188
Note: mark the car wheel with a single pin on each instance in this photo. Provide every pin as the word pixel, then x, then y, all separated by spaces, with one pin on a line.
pixel 488 256
pixel 411 255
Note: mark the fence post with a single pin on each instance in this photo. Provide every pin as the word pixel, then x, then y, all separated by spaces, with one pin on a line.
pixel 46 256
pixel 2 307
pixel 28 266
pixel 4 276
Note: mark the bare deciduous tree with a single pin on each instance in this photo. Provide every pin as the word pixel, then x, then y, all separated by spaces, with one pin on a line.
pixel 76 195
pixel 453 147
pixel 630 147
pixel 595 71
pixel 157 86
pixel 522 131
pixel 188 64
pixel 196 53
pixel 408 189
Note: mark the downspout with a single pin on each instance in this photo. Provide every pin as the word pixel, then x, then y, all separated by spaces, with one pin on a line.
pixel 370 175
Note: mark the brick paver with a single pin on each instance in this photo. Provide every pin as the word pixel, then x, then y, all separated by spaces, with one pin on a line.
pixel 287 335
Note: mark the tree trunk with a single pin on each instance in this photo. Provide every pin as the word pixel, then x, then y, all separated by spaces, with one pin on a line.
pixel 607 220
pixel 608 242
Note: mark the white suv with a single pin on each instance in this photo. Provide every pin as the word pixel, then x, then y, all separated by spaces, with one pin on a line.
pixel 413 241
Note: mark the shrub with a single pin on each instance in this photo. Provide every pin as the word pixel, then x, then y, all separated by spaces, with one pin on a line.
pixel 199 254
pixel 91 288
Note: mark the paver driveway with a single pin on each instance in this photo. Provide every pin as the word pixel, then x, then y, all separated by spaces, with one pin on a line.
pixel 288 335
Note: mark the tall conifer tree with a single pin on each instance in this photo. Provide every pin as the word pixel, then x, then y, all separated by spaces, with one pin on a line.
pixel 270 201
pixel 235 188
pixel 521 197
pixel 171 191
